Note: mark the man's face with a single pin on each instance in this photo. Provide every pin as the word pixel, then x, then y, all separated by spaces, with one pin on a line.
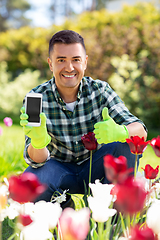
pixel 68 63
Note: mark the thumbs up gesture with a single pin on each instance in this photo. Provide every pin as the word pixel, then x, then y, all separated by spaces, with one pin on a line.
pixel 108 131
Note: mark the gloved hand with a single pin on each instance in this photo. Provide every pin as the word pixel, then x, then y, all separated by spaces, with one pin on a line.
pixel 108 131
pixel 39 135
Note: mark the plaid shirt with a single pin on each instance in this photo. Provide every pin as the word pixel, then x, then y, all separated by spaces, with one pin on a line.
pixel 66 127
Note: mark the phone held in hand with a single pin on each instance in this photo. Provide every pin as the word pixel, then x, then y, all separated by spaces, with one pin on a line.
pixel 33 108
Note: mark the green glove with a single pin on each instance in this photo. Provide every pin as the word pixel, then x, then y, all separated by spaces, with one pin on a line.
pixel 39 135
pixel 108 131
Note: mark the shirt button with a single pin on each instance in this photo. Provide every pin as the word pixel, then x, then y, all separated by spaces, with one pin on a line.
pixel 76 142
pixel 63 108
pixel 77 158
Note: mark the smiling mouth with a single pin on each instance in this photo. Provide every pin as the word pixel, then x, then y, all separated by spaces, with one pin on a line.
pixel 68 76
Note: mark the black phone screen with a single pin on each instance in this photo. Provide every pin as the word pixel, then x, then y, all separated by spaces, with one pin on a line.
pixel 33 109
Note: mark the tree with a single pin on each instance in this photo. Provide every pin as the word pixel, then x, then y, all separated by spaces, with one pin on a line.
pixel 69 8
pixel 12 14
pixel 98 4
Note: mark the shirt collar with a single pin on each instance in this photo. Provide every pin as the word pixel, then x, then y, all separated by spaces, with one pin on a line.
pixel 57 95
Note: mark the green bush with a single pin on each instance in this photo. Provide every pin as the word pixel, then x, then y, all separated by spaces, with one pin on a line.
pixel 136 88
pixel 134 31
pixel 12 93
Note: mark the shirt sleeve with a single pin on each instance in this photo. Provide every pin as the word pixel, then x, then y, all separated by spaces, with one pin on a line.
pixel 27 158
pixel 117 109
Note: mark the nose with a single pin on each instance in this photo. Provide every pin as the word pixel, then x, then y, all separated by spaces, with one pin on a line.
pixel 69 66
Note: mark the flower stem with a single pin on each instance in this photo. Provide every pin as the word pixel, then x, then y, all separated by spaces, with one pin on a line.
pixel 90 168
pixel 0 230
pixel 135 167
pixel 100 230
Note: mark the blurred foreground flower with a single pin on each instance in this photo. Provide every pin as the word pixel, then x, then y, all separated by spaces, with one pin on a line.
pixel 153 217
pixel 144 233
pixel 8 121
pixel 74 225
pixel 3 197
pixel 116 168
pixel 25 187
pixel 130 196
pixel 155 143
pixel 137 145
pixel 100 202
pixel 38 219
pixel 25 219
pixel 150 173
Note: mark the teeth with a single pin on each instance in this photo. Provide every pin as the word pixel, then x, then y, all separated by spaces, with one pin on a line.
pixel 69 76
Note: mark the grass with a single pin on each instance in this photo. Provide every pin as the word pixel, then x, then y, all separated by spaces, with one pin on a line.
pixel 12 161
pixel 11 151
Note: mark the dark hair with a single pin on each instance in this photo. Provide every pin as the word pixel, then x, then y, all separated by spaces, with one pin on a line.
pixel 66 37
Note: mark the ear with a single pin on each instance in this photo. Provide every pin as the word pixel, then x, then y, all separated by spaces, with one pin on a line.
pixel 86 62
pixel 50 64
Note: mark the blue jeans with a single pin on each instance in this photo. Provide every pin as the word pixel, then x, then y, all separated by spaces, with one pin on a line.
pixel 60 176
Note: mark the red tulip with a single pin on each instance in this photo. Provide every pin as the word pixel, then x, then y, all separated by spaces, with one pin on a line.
pixel 89 141
pixel 150 173
pixel 116 168
pixel 130 196
pixel 25 188
pixel 155 143
pixel 25 220
pixel 137 145
pixel 142 234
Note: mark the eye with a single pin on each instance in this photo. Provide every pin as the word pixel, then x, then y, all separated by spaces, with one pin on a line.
pixel 77 59
pixel 61 60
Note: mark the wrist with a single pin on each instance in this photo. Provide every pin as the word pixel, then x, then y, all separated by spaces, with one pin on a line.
pixel 124 133
pixel 39 144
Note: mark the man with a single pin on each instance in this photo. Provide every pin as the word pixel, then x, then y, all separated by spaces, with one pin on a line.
pixel 74 105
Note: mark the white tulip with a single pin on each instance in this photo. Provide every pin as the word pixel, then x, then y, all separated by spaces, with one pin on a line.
pixel 45 216
pixel 37 230
pixel 101 200
pixel 100 190
pixel 49 212
pixel 100 210
pixel 153 217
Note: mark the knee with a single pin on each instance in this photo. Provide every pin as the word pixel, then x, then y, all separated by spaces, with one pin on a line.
pixel 122 149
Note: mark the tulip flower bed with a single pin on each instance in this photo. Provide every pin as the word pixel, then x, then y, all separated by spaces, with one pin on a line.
pixel 127 209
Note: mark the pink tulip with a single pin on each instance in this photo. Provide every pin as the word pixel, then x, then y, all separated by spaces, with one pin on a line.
pixel 8 121
pixel 74 225
pixel 1 131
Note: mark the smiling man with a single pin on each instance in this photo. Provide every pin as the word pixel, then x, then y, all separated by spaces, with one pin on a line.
pixel 68 63
pixel 74 105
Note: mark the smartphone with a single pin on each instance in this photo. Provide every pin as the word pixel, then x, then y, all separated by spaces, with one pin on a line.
pixel 33 106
